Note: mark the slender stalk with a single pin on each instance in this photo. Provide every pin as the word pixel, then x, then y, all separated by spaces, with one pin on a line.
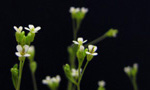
pixel 96 40
pixel 74 30
pixel 80 78
pixel 134 83
pixel 34 81
pixel 22 60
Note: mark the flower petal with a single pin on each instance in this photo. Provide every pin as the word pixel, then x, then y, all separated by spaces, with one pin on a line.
pixel 84 41
pixel 27 28
pixel 80 39
pixel 87 52
pixel 31 26
pixel 18 54
pixel 44 82
pixel 95 48
pixel 48 77
pixel 94 54
pixel 19 48
pixel 20 28
pixel 26 47
pixel 26 55
pixel 90 47
pixel 15 28
pixel 37 29
pixel 75 42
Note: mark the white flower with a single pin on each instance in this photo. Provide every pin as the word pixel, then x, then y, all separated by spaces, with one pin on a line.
pixel 74 10
pixel 79 41
pixel 75 72
pixel 127 69
pixel 33 29
pixel 84 10
pixel 18 29
pixel 135 65
pixel 92 50
pixel 22 51
pixel 101 83
pixel 52 80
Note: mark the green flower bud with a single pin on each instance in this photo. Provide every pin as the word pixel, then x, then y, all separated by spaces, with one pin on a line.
pixel 111 33
pixel 31 51
pixel 81 53
pixel 67 71
pixel 33 66
pixel 14 72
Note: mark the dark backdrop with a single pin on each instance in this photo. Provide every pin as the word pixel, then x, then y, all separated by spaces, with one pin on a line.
pixel 130 17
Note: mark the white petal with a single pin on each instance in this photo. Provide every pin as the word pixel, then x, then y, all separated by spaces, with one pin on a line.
pixel 37 29
pixel 18 54
pixel 58 78
pixel 31 26
pixel 80 39
pixel 95 48
pixel 72 9
pixel 26 47
pixel 90 47
pixel 84 41
pixel 88 53
pixel 31 49
pixel 19 48
pixel 84 10
pixel 75 42
pixel 15 28
pixel 94 54
pixel 20 28
pixel 77 10
pixel 27 28
pixel 26 55
pixel 48 78
pixel 44 82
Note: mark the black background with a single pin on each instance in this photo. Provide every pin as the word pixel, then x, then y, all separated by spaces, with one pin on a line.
pixel 130 17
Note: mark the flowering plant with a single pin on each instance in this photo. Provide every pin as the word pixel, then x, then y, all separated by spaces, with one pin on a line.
pixel 79 51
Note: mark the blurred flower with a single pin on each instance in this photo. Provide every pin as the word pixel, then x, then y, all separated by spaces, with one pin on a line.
pixel 18 29
pixel 75 72
pixel 79 41
pixel 101 83
pixel 52 80
pixel 33 29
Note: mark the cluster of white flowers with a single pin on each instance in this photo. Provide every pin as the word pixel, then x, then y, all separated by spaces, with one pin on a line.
pixel 31 28
pixel 52 80
pixel 22 51
pixel 91 48
pixel 76 10
pixel 128 68
pixel 101 83
pixel 75 72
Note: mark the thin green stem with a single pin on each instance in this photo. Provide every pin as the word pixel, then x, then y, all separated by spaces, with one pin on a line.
pixel 69 86
pixel 134 83
pixel 80 78
pixel 97 40
pixel 22 60
pixel 74 30
pixel 34 81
